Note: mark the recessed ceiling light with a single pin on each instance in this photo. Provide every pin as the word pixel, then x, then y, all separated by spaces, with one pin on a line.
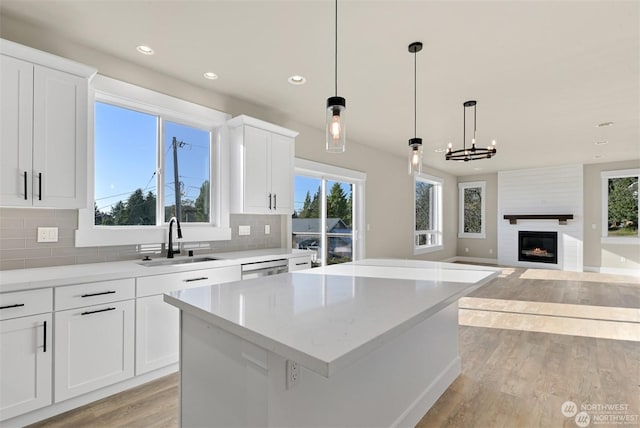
pixel 146 50
pixel 604 124
pixel 210 75
pixel 601 143
pixel 297 80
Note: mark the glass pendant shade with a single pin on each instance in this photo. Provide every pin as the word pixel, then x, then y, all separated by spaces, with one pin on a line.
pixel 336 125
pixel 415 155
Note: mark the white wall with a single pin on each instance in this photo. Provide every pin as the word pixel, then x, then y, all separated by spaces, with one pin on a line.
pixel 555 190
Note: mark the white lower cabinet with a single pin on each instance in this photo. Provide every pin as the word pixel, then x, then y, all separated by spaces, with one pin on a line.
pixel 94 347
pixel 158 323
pixel 25 364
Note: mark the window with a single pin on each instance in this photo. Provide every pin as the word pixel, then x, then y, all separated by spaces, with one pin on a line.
pixel 328 210
pixel 428 213
pixel 471 208
pixel 152 157
pixel 620 206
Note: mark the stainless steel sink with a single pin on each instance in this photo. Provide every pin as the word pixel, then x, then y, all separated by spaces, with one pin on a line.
pixel 181 261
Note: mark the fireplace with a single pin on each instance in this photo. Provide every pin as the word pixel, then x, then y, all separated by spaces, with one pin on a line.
pixel 538 247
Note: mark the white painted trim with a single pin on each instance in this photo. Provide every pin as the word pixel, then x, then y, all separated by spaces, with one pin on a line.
pixel 426 250
pixel 462 186
pixel 127 95
pixel 331 172
pixel 46 59
pixel 613 271
pixel 604 194
pixel 474 260
pixel 252 121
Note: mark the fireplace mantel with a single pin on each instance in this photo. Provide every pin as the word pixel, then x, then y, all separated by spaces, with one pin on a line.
pixel 562 218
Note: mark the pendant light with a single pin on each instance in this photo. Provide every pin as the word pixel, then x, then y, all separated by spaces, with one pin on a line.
pixel 336 107
pixel 415 143
pixel 472 153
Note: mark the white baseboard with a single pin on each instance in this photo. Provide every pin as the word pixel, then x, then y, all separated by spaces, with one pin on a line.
pixel 471 260
pixel 613 271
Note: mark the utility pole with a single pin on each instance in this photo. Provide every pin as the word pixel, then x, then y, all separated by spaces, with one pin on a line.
pixel 176 179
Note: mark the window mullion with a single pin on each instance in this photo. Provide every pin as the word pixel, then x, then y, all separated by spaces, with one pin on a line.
pixel 160 172
pixel 323 221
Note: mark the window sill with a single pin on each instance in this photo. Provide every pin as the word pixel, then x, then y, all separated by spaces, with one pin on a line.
pixel 620 240
pixel 472 235
pixel 108 236
pixel 425 250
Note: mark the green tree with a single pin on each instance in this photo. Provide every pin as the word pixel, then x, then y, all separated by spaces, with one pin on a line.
pixel 202 203
pixel 423 208
pixel 119 214
pixel 623 203
pixel 306 207
pixel 473 210
pixel 337 205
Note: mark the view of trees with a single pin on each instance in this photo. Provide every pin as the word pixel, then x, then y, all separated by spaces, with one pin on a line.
pixel 623 206
pixel 338 205
pixel 140 209
pixel 473 210
pixel 423 209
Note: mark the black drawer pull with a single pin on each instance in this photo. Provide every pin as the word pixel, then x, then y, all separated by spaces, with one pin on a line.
pixel 202 278
pixel 98 294
pixel 302 263
pixel 99 310
pixel 275 201
pixel 45 338
pixel 25 185
pixel 17 305
pixel 39 186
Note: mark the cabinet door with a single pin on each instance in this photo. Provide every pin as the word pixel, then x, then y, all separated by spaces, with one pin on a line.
pixel 16 110
pixel 157 334
pixel 25 365
pixel 281 166
pixel 94 348
pixel 256 171
pixel 59 139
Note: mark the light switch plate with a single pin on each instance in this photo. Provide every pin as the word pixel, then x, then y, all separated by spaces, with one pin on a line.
pixel 47 234
pixel 244 230
pixel 267 229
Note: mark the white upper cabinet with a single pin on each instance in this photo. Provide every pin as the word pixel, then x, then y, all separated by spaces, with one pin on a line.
pixel 43 123
pixel 261 167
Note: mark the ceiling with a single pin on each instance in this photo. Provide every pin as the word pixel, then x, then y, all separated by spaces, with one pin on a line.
pixel 544 73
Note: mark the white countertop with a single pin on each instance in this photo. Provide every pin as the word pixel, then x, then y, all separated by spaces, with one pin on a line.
pixel 26 279
pixel 326 318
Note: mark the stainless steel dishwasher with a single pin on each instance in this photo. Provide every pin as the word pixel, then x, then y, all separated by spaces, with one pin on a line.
pixel 270 267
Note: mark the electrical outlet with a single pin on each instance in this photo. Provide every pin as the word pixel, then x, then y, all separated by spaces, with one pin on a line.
pixel 244 230
pixel 293 374
pixel 466 250
pixel 47 234
pixel 491 251
pixel 267 229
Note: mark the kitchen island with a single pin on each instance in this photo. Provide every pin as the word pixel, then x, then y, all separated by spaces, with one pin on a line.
pixel 369 343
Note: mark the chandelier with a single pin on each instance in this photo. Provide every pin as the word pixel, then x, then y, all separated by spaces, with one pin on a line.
pixel 472 153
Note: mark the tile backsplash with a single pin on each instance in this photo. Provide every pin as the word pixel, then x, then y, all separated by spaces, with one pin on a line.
pixel 19 248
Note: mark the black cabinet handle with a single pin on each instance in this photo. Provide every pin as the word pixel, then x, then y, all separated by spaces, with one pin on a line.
pixel 202 278
pixel 39 186
pixel 98 294
pixel 17 305
pixel 302 263
pixel 99 310
pixel 269 200
pixel 45 337
pixel 275 201
pixel 25 185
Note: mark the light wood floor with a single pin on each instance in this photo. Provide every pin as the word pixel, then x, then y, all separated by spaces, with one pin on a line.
pixel 509 378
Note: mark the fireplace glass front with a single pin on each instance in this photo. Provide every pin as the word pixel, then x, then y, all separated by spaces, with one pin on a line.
pixel 538 247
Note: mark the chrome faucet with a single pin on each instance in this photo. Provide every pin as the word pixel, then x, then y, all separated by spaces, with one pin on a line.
pixel 170 251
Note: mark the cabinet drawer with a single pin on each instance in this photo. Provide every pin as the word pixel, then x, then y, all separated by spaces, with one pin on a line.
pixel 24 303
pixel 159 284
pixel 94 293
pixel 299 263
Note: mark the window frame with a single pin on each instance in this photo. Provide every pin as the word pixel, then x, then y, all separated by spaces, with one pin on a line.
pixel 438 184
pixel 126 95
pixel 605 176
pixel 461 208
pixel 333 173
